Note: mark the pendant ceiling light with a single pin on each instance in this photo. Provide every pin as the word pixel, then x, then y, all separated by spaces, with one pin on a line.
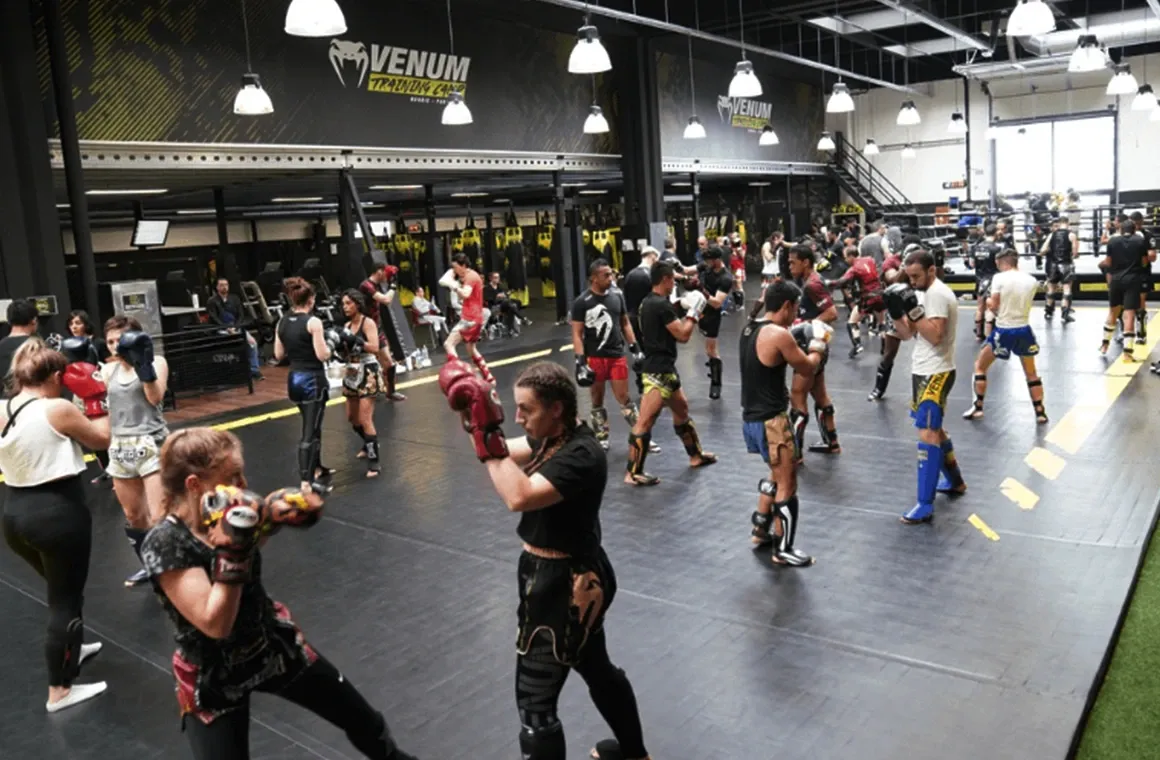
pixel 595 124
pixel 826 143
pixel 908 152
pixel 315 18
pixel 1030 18
pixel 1088 56
pixel 745 83
pixel 455 113
pixel 1122 83
pixel 251 100
pixel 589 55
pixel 768 136
pixel 957 125
pixel 1145 99
pixel 908 115
pixel 871 148
pixel 695 130
pixel 840 100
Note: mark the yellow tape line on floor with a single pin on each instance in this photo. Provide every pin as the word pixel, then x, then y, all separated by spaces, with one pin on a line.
pixel 983 528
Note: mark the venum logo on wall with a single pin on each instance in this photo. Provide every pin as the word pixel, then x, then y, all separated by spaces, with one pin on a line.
pixel 422 75
pixel 744 113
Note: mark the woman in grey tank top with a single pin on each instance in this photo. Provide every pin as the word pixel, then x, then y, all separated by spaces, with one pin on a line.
pixel 136 382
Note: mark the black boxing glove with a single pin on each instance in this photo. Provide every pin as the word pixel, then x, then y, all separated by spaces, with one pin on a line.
pixel 79 350
pixel 902 301
pixel 585 377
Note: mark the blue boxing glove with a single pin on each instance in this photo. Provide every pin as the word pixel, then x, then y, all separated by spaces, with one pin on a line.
pixel 137 349
pixel 80 349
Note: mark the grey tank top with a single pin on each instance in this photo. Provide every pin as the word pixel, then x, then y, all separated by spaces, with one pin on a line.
pixel 130 413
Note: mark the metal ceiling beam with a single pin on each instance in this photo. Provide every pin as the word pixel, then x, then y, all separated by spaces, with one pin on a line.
pixel 664 26
pixel 938 24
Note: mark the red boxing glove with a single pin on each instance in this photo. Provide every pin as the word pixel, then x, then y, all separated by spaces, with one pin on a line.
pixel 477 402
pixel 84 381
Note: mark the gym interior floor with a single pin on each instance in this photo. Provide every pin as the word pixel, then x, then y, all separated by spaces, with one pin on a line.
pixel 978 636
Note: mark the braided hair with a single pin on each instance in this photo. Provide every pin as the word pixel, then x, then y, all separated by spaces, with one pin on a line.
pixel 551 383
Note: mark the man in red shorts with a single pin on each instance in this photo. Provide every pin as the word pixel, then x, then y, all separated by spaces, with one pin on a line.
pixel 468 286
pixel 600 331
pixel 816 305
pixel 378 292
pixel 861 270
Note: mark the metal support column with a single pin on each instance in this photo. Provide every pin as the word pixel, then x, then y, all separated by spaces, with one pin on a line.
pixel 695 186
pixel 1116 154
pixel 640 141
pixel 489 252
pixel 439 262
pixel 225 264
pixel 70 151
pixel 562 255
pixel 967 120
pixel 792 231
pixel 993 203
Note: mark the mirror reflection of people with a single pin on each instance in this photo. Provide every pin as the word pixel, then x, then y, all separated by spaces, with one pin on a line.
pixel 497 298
pixel 226 310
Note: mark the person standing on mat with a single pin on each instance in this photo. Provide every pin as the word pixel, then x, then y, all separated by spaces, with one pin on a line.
pixel 555 478
pixel 1012 293
pixel 661 330
pixel 300 337
pixel 929 313
pixel 816 305
pixel 136 383
pixel 362 379
pixel 716 282
pixel 1124 262
pixel 46 520
pixel 468 285
pixel 204 562
pixel 600 330
pixel 636 285
pixel 767 350
pixel 22 323
pixel 377 302
pixel 81 326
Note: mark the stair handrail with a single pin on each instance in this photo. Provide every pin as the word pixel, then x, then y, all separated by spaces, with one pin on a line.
pixel 870 176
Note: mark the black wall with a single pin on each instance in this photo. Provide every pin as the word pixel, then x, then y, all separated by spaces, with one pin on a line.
pixel 795 109
pixel 163 70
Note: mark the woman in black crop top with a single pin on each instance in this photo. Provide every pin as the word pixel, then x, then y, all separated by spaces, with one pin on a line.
pixel 232 638
pixel 301 338
pixel 555 479
pixel 362 379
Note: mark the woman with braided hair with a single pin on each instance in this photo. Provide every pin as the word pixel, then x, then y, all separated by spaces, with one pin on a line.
pixel 555 479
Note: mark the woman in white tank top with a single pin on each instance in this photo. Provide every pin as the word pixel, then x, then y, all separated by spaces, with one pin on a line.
pixel 46 521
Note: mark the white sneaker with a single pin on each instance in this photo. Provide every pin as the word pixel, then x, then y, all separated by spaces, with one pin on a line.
pixel 80 692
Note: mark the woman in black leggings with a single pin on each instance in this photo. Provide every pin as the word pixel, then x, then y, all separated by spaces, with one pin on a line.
pixel 46 521
pixel 232 638
pixel 555 478
pixel 301 338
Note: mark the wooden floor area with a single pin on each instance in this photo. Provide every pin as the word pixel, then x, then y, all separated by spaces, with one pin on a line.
pixel 273 388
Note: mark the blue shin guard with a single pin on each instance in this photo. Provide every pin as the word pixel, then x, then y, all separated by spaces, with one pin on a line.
pixel 930 459
pixel 951 479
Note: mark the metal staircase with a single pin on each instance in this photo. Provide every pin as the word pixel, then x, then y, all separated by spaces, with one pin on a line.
pixel 863 182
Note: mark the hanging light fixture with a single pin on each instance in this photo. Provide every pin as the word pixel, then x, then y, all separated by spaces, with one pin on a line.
pixel 589 55
pixel 455 113
pixel 1030 18
pixel 768 136
pixel 840 100
pixel 1145 99
pixel 908 115
pixel 957 125
pixel 251 100
pixel 745 83
pixel 595 124
pixel 1122 83
pixel 908 151
pixel 871 148
pixel 695 130
pixel 315 18
pixel 1087 56
pixel 826 142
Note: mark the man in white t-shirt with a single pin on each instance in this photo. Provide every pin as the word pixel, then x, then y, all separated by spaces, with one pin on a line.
pixel 929 313
pixel 1012 293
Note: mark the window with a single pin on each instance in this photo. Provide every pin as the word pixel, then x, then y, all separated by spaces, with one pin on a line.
pixel 1045 157
pixel 1085 154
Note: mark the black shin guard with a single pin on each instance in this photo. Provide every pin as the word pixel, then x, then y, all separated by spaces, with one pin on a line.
pixel 829 440
pixel 371 447
pixel 786 554
pixel 687 432
pixel 637 452
pixel 882 379
pixel 308 455
pixel 763 522
pixel 136 538
pixel 543 743
pixel 715 367
pixel 1040 411
pixel 390 377
pixel 797 423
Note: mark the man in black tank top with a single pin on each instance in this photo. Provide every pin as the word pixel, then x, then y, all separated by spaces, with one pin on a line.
pixel 636 285
pixel 767 350
pixel 983 260
pixel 1060 250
